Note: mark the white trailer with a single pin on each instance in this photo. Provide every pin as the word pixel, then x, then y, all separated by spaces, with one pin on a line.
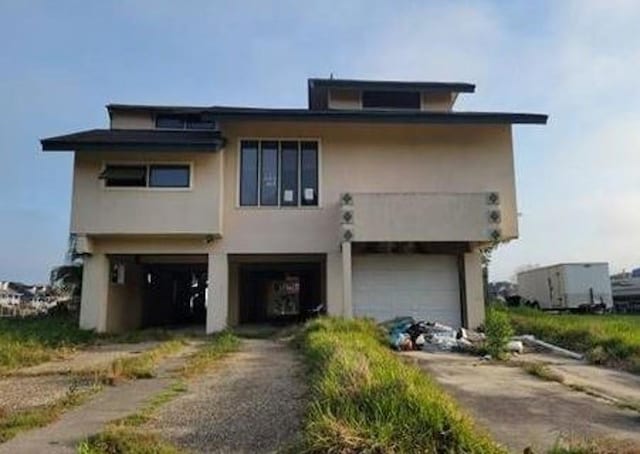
pixel 567 286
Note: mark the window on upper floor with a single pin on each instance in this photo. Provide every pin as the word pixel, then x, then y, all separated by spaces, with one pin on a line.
pixel 184 121
pixel 142 176
pixel 278 173
pixel 391 100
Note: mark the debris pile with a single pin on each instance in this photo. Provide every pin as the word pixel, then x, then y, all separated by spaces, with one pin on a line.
pixel 405 333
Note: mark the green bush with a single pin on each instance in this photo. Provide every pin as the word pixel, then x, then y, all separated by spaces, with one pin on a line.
pixel 364 398
pixel 498 331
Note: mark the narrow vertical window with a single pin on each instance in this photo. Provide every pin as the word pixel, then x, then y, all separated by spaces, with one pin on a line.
pixel 309 174
pixel 269 173
pixel 249 173
pixel 289 174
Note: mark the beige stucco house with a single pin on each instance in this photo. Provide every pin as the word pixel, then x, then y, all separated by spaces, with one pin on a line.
pixel 374 201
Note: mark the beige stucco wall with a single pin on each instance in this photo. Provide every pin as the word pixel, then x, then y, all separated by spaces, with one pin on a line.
pixel 132 120
pixel 97 209
pixel 124 301
pixel 367 158
pixel 437 101
pixel 353 158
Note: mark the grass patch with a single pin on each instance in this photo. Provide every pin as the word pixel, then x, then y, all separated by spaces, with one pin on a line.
pixel 542 371
pixel 365 399
pixel 136 367
pixel 219 345
pixel 30 341
pixel 611 340
pixel 124 440
pixel 603 445
pixel 12 424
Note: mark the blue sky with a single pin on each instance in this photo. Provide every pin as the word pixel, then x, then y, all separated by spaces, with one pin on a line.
pixel 579 61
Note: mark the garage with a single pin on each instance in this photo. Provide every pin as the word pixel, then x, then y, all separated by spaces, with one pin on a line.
pixel 423 286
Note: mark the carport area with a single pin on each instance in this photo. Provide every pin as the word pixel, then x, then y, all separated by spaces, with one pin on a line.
pixel 156 291
pixel 276 288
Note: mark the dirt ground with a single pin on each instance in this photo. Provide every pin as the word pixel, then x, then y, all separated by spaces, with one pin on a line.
pixel 522 411
pixel 48 382
pixel 253 402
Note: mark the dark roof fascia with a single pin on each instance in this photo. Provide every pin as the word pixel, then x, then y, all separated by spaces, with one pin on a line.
pixel 151 140
pixel 392 85
pixel 156 109
pixel 382 116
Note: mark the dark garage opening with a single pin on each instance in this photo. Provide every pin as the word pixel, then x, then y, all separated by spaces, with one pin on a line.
pixel 284 292
pixel 174 294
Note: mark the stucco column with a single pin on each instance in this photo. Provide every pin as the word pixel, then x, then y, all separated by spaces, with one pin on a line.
pixel 95 293
pixel 334 278
pixel 218 293
pixel 474 289
pixel 346 280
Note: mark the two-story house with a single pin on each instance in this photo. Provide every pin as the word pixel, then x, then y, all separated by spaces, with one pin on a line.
pixel 373 201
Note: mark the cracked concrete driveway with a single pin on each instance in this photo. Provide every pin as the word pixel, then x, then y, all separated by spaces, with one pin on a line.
pixel 521 410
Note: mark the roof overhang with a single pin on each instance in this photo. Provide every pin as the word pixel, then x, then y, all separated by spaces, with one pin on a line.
pixel 376 116
pixel 139 139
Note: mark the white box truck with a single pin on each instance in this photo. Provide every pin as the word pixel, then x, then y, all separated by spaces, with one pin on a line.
pixel 567 286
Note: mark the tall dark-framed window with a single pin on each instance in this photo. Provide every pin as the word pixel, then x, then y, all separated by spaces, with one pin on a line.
pixel 279 173
pixel 249 173
pixel 289 172
pixel 309 173
pixel 269 173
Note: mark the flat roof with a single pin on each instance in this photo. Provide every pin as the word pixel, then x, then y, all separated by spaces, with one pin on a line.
pixel 112 139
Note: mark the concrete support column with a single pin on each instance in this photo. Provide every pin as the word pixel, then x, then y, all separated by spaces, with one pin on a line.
pixel 334 279
pixel 347 294
pixel 474 289
pixel 95 293
pixel 218 293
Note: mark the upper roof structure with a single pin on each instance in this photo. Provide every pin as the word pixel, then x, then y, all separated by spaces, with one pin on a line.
pixel 318 110
pixel 318 88
pixel 108 139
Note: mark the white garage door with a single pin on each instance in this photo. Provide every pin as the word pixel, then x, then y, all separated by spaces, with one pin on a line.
pixel 423 286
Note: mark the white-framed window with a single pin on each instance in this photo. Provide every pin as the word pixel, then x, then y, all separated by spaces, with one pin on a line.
pixel 146 176
pixel 281 173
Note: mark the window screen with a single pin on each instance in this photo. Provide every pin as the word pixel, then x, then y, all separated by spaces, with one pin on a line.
pixel 289 174
pixel 170 121
pixel 169 176
pixel 391 99
pixel 269 173
pixel 124 176
pixel 249 173
pixel 309 174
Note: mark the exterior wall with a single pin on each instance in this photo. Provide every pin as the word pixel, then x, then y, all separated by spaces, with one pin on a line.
pixel 97 209
pixel 410 217
pixel 366 158
pixel 474 289
pixel 353 158
pixel 132 120
pixel 124 301
pixel 437 101
pixel 344 99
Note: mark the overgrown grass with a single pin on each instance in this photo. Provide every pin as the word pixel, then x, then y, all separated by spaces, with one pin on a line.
pixel 30 341
pixel 365 399
pixel 611 340
pixel 542 371
pixel 13 423
pixel 219 345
